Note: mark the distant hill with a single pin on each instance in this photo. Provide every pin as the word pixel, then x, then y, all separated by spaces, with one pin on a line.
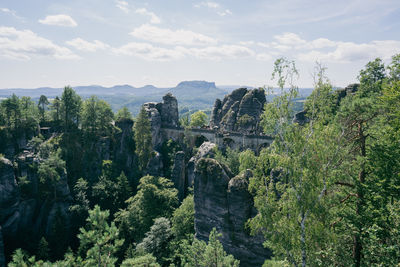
pixel 191 95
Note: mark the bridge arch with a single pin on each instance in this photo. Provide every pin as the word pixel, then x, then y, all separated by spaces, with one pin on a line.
pixel 228 142
pixel 199 139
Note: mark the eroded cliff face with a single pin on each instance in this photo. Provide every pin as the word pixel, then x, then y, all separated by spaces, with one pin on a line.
pixel 223 201
pixel 123 153
pixel 163 114
pixel 23 216
pixel 2 256
pixel 239 111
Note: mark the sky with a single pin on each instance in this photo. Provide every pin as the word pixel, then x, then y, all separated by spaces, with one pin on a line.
pixel 162 42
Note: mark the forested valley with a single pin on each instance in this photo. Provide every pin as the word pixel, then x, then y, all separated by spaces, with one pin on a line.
pixel 82 186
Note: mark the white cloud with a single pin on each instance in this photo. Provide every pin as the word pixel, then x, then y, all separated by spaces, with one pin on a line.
pixel 11 12
pixel 224 13
pixel 149 52
pixel 323 49
pixel 122 5
pixel 171 37
pixel 321 43
pixel 247 43
pixel 208 4
pixel 83 45
pixel 153 17
pixel 221 52
pixel 264 57
pixel 59 20
pixel 23 45
pixel 346 52
pixel 290 39
pixel 216 7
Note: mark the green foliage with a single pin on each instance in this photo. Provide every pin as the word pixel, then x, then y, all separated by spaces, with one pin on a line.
pixel 50 171
pixel 247 160
pixel 123 114
pixel 278 113
pixel 244 120
pixel 56 108
pixel 168 151
pixel 100 241
pixel 230 159
pixel 275 263
pixel 97 117
pixel 43 249
pixel 200 254
pixel 198 119
pixel 110 192
pixel 183 219
pixel 184 121
pixel 147 260
pixel 80 209
pixel 157 239
pixel 292 215
pixel 321 104
pixel 70 108
pixel 21 259
pixel 156 197
pixel 143 139
pixel 43 102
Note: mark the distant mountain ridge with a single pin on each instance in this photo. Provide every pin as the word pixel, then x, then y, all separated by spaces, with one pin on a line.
pixel 191 95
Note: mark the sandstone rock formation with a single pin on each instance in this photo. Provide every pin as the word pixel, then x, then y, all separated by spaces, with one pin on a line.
pixel 205 150
pixel 124 154
pixel 223 201
pixel 239 111
pixel 24 217
pixel 178 174
pixel 2 257
pixel 164 114
pixel 302 118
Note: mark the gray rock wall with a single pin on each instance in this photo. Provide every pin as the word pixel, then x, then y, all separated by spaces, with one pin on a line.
pixel 223 201
pixel 239 111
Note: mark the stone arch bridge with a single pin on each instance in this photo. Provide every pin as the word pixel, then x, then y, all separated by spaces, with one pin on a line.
pixel 234 140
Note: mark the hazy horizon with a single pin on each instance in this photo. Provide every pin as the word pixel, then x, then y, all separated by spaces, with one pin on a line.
pixel 56 43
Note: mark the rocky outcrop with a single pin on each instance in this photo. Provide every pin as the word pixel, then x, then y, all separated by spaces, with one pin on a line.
pixel 348 90
pixel 123 146
pixel 205 150
pixel 178 174
pixel 223 201
pixel 2 256
pixel 9 193
pixel 169 111
pixel 239 111
pixel 301 117
pixel 24 217
pixel 164 114
pixel 155 165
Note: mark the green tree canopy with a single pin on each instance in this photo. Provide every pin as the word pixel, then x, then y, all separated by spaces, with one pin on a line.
pixel 123 114
pixel 156 197
pixel 70 108
pixel 198 119
pixel 99 241
pixel 143 142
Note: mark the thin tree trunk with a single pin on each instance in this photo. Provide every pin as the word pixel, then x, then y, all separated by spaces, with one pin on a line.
pixel 357 246
pixel 303 239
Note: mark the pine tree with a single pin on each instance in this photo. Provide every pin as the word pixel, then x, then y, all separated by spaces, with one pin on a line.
pixel 43 249
pixel 200 254
pixel 99 241
pixel 43 102
pixel 143 140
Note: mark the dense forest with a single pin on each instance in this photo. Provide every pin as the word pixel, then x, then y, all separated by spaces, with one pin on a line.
pixel 326 191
